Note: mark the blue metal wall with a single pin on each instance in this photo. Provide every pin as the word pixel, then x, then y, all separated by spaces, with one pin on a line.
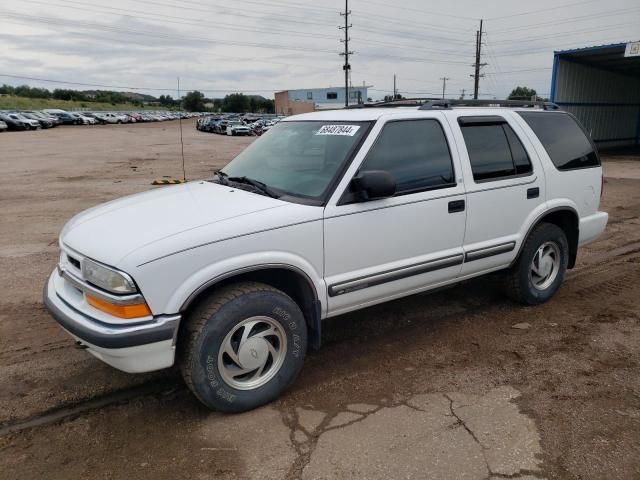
pixel 607 103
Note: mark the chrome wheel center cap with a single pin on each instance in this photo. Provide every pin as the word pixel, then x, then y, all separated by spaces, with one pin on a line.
pixel 253 353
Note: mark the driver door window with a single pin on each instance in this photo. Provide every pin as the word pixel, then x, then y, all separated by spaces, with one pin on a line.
pixel 416 153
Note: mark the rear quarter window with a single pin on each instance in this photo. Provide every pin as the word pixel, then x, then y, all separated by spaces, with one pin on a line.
pixel 563 138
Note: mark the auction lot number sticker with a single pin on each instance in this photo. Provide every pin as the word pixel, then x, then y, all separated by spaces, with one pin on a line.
pixel 340 130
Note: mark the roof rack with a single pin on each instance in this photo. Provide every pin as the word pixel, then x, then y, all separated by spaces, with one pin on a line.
pixel 447 104
pixel 405 102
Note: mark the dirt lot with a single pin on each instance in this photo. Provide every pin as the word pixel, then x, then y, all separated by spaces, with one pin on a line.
pixel 432 386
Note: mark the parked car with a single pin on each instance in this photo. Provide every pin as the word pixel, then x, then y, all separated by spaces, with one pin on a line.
pixel 68 119
pixel 331 212
pixel 28 122
pixel 220 127
pixel 236 128
pixel 3 126
pixel 99 119
pixel 86 119
pixel 212 125
pixel 204 123
pixel 13 124
pixel 44 120
pixel 114 118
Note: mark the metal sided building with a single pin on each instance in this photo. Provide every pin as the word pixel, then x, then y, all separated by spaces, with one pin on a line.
pixel 601 87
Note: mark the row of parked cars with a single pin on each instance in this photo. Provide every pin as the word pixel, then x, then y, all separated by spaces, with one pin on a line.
pixel 235 125
pixel 49 118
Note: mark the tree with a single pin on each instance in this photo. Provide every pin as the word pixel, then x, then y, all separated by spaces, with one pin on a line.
pixel 235 103
pixel 194 101
pixel 523 93
pixel 7 89
pixel 166 101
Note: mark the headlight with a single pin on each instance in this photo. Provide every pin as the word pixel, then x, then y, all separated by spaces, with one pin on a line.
pixel 107 278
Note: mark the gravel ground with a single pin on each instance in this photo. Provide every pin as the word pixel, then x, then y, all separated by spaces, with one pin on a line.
pixel 431 386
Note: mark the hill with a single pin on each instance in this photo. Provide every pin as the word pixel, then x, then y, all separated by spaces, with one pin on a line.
pixel 10 102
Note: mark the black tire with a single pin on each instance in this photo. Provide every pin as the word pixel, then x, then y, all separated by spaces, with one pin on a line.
pixel 519 283
pixel 207 328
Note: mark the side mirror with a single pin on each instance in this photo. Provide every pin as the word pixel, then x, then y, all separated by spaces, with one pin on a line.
pixel 373 184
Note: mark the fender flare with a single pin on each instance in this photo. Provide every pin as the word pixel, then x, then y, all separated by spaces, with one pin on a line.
pixel 314 314
pixel 535 223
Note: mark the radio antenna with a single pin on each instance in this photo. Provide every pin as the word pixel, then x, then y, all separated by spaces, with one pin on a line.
pixel 184 172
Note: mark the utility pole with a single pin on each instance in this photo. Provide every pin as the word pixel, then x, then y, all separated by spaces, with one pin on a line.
pixel 476 76
pixel 395 90
pixel 444 84
pixel 346 67
pixel 462 92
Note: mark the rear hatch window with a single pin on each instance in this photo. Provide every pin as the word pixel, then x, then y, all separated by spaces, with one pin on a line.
pixel 563 138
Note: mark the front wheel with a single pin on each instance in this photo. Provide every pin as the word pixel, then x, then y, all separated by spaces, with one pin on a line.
pixel 541 267
pixel 243 347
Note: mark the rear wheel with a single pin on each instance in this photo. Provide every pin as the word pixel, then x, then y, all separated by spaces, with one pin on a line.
pixel 541 267
pixel 243 347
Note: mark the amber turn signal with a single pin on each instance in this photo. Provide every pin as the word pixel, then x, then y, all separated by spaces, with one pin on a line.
pixel 122 311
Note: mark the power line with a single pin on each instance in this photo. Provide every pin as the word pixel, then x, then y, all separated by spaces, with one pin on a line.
pixel 548 49
pixel 173 19
pixel 599 15
pixel 122 87
pixel 562 34
pixel 410 47
pixel 226 26
pixel 55 21
pixel 428 12
pixel 520 71
pixel 109 28
pixel 543 10
pixel 182 4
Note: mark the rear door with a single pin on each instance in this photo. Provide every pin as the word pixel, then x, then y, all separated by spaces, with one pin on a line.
pixel 505 187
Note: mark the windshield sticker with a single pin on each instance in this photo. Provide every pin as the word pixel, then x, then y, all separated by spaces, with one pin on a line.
pixel 342 130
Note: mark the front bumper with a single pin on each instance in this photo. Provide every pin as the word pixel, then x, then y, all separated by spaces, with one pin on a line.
pixel 138 347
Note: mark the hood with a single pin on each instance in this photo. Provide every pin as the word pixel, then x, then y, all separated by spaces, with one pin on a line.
pixel 111 231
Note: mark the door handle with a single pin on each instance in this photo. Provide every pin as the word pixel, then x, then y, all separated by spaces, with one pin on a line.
pixel 456 206
pixel 533 192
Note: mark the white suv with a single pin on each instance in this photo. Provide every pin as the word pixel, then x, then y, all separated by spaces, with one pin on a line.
pixel 327 213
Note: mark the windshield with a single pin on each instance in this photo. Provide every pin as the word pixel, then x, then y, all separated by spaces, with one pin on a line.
pixel 299 158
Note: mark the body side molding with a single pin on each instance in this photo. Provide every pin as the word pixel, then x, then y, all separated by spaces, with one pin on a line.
pixel 395 274
pixel 489 251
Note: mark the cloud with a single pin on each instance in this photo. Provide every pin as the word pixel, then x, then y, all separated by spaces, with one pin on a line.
pixel 250 46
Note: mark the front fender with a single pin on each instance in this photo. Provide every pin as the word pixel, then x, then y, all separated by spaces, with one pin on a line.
pixel 171 295
pixel 212 274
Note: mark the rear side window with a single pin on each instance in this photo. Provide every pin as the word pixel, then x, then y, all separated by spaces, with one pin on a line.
pixel 495 151
pixel 563 139
pixel 415 152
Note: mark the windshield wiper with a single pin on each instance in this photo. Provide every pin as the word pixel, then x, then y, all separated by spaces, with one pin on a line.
pixel 222 177
pixel 261 187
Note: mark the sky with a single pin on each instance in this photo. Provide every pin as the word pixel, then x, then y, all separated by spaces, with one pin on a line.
pixel 263 46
